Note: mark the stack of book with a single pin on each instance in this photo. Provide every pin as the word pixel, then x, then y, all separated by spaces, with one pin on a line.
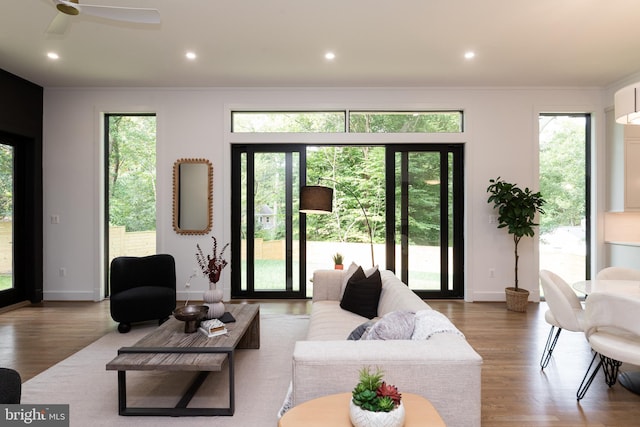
pixel 213 328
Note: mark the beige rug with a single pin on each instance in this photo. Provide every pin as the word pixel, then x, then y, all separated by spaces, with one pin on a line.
pixel 261 382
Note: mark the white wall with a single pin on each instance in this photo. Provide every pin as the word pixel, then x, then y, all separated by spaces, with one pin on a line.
pixel 501 131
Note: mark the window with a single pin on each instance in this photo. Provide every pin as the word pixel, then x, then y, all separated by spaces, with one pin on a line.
pixel 564 184
pixel 411 194
pixel 130 186
pixel 284 121
pixel 7 190
pixel 335 121
pixel 405 122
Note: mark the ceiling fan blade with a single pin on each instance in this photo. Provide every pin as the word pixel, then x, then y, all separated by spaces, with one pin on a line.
pixel 59 24
pixel 124 14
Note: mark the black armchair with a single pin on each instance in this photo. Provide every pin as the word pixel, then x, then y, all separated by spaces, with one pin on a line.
pixel 142 288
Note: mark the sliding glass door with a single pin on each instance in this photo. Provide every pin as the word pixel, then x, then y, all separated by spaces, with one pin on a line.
pixel 266 240
pixel 425 206
pixel 410 195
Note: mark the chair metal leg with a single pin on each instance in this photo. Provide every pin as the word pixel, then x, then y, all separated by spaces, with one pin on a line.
pixel 610 367
pixel 584 386
pixel 549 347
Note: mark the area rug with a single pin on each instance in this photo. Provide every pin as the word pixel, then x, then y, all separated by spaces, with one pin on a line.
pixel 261 381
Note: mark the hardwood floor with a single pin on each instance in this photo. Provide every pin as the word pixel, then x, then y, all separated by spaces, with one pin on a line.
pixel 36 337
pixel 515 392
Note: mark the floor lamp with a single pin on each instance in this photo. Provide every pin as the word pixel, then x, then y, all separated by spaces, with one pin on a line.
pixel 319 200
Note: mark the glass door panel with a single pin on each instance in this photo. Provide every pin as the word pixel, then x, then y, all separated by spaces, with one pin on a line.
pixel 418 222
pixel 272 235
pixel 450 223
pixel 243 224
pixel 357 176
pixel 416 189
pixel 6 216
pixel 427 204
pixel 265 223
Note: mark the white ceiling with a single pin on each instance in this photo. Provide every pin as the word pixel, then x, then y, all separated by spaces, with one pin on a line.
pixel 377 43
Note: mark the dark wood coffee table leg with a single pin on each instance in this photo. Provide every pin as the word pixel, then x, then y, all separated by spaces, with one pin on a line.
pixel 251 338
pixel 181 408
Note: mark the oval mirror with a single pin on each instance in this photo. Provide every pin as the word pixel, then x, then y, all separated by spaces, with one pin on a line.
pixel 192 196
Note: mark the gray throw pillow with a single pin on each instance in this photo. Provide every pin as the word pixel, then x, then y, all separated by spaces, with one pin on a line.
pixel 396 325
pixel 356 334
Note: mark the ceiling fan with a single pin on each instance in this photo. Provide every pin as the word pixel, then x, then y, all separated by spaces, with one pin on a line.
pixel 69 8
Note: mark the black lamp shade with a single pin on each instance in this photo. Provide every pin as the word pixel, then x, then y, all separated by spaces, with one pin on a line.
pixel 316 199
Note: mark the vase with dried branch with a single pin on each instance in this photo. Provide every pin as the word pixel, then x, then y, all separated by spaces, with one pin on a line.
pixel 212 266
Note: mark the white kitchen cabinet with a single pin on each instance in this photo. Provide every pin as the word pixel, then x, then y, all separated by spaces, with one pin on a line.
pixel 632 168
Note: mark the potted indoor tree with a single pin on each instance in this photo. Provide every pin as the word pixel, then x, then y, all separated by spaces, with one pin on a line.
pixel 517 209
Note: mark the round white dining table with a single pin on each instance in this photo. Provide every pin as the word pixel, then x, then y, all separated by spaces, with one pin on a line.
pixel 631 288
pixel 625 287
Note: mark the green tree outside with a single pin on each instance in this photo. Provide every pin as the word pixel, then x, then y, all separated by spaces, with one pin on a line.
pixel 132 172
pixel 562 182
pixel 6 182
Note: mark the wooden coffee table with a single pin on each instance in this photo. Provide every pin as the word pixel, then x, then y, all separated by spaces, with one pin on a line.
pixel 333 410
pixel 168 348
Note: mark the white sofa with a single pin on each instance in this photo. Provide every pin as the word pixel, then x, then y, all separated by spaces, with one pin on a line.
pixel 444 368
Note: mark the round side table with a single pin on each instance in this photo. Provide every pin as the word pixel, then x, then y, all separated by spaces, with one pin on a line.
pixel 333 410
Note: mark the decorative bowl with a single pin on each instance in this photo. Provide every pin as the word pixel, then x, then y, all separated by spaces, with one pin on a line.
pixel 191 315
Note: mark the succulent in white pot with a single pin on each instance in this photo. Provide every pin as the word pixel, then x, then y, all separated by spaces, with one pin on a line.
pixel 375 403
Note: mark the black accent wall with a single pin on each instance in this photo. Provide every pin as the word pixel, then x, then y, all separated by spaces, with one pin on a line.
pixel 21 107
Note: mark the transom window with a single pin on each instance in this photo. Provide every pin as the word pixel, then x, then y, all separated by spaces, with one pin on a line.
pixel 336 121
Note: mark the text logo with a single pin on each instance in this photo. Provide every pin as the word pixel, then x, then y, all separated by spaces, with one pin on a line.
pixel 34 415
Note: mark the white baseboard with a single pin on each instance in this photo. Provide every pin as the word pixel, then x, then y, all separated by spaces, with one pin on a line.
pixel 500 296
pixel 68 296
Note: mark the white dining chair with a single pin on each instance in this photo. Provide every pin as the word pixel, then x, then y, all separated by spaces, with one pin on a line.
pixel 613 332
pixel 565 311
pixel 618 273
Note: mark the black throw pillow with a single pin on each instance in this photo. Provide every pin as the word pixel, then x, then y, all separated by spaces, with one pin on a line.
pixel 362 294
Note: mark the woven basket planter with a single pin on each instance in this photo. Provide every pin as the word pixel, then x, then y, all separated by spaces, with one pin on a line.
pixel 517 299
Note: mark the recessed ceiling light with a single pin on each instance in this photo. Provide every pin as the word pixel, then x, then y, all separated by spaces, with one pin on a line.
pixel 330 56
pixel 191 55
pixel 53 55
pixel 469 55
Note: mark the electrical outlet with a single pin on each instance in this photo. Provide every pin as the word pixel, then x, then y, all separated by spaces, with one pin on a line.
pixel 62 272
pixel 492 273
